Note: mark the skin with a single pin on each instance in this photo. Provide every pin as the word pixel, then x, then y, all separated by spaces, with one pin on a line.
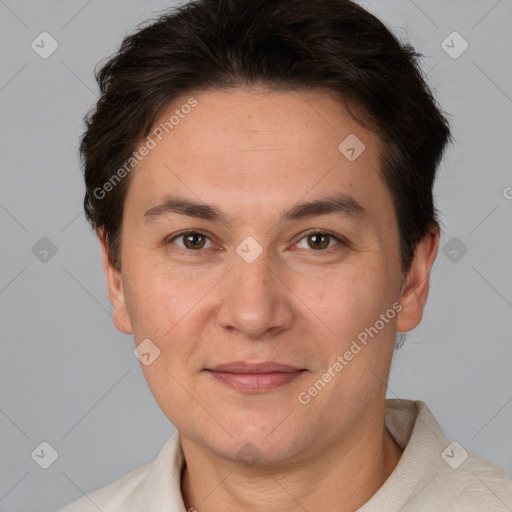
pixel 254 154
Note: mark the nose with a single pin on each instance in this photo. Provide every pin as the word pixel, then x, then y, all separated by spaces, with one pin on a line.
pixel 256 300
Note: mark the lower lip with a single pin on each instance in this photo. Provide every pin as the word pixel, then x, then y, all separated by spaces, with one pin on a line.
pixel 256 381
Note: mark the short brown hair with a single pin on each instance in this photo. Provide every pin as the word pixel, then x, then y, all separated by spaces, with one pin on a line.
pixel 283 44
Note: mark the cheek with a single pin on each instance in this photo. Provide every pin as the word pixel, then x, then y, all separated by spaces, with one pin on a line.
pixel 351 306
pixel 347 300
pixel 155 303
pixel 170 307
pixel 358 344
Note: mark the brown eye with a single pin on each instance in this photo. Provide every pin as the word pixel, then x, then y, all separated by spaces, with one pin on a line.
pixel 191 240
pixel 319 241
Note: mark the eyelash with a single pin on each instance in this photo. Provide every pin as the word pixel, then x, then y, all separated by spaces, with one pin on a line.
pixel 340 241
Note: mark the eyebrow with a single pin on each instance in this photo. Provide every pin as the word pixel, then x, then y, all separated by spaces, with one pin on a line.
pixel 341 204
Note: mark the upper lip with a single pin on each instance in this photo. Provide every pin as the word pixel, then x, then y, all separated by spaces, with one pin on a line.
pixel 244 367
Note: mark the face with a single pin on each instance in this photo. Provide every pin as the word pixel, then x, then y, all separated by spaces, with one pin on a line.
pixel 290 256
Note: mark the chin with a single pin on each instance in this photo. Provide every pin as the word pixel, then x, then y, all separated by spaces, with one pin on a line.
pixel 265 444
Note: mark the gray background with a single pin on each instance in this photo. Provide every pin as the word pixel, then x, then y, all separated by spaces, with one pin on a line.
pixel 70 379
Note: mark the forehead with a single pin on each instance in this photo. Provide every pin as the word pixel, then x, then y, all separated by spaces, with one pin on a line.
pixel 259 148
pixel 256 119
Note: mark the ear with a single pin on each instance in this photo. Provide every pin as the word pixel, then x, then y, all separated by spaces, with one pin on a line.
pixel 115 289
pixel 414 293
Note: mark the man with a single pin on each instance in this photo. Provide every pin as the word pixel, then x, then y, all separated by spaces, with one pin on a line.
pixel 260 177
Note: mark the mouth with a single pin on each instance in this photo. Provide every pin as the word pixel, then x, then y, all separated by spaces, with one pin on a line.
pixel 255 377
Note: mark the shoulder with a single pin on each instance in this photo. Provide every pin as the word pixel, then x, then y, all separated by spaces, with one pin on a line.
pixel 475 485
pixel 108 498
pixel 147 487
pixel 434 473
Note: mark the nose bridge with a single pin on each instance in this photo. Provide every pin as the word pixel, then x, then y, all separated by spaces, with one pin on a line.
pixel 254 299
pixel 252 267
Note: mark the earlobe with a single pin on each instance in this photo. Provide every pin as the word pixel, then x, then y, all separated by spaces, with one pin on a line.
pixel 415 288
pixel 115 289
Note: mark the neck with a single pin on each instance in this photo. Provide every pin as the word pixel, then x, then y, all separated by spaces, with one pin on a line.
pixel 340 478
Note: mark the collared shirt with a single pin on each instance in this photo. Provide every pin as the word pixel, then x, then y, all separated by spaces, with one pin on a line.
pixel 432 475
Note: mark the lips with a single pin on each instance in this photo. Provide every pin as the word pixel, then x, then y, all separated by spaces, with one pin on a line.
pixel 244 367
pixel 253 377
